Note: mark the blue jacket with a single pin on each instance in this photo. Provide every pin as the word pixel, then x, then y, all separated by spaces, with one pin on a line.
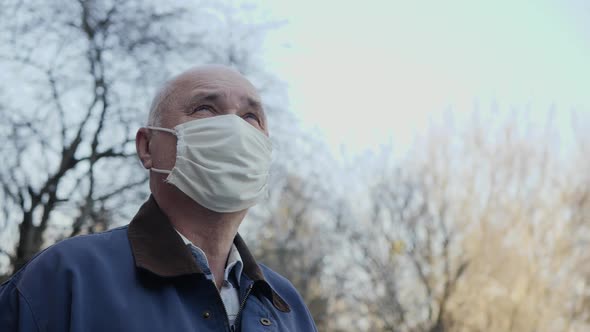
pixel 141 277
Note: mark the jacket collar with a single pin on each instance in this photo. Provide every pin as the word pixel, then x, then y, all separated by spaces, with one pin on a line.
pixel 158 249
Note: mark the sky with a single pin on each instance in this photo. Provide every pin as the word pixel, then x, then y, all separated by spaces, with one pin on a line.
pixel 368 72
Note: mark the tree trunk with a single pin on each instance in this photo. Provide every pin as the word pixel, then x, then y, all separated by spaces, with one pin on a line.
pixel 28 243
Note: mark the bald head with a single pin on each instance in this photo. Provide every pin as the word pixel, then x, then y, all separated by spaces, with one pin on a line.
pixel 206 91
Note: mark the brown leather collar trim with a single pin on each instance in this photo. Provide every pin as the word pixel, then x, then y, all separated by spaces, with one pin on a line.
pixel 157 248
pixel 252 270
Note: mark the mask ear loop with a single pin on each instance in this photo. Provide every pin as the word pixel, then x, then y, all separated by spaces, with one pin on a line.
pixel 157 170
pixel 162 129
pixel 161 171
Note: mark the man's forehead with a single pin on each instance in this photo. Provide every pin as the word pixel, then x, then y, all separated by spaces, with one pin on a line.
pixel 214 76
pixel 214 85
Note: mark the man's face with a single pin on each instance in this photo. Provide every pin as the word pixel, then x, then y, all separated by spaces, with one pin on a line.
pixel 199 94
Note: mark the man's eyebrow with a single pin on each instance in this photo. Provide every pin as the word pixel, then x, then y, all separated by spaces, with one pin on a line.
pixel 253 103
pixel 212 96
pixel 203 96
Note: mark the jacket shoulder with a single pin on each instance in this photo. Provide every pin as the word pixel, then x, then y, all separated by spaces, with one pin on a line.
pixel 73 254
pixel 289 293
pixel 86 242
pixel 278 282
pixel 47 287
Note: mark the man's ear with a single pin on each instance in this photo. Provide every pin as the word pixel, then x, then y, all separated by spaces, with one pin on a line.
pixel 142 145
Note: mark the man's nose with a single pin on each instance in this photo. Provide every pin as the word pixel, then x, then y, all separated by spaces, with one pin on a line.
pixel 233 110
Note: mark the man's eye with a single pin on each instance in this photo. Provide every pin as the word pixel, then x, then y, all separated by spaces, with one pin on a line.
pixel 202 109
pixel 251 116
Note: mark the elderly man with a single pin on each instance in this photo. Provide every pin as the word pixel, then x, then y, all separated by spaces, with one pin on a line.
pixel 180 265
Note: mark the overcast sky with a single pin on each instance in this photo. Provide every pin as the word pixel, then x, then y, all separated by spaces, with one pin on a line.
pixel 363 71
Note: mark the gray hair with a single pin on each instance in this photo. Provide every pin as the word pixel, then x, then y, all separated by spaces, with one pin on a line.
pixel 159 101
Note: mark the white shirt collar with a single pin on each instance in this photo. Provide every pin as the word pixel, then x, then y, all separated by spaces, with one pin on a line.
pixel 233 260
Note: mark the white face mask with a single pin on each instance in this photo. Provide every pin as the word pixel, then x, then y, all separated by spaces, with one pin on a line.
pixel 222 162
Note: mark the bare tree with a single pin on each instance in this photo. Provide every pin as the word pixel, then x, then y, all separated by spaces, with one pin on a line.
pixel 408 254
pixel 483 228
pixel 82 73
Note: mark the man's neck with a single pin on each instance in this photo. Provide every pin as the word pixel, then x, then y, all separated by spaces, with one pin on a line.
pixel 211 231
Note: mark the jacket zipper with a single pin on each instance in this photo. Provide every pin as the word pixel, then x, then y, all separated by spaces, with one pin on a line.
pixel 238 315
pixel 220 300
